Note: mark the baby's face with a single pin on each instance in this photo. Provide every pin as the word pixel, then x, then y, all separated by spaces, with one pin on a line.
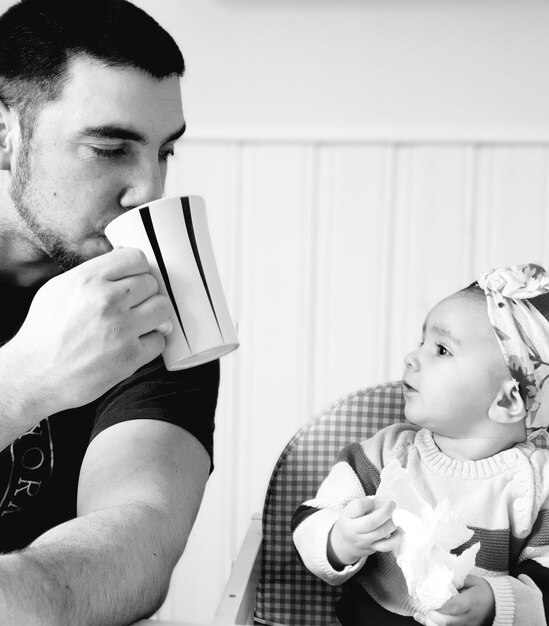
pixel 452 378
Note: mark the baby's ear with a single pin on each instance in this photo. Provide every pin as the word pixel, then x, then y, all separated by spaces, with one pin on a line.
pixel 508 406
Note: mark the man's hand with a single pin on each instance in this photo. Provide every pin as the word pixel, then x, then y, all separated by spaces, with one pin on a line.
pixel 88 329
pixel 473 606
pixel 360 530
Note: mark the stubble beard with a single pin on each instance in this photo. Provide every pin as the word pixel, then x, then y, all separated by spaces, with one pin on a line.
pixel 21 195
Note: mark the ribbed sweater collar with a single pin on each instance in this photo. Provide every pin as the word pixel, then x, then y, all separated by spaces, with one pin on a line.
pixel 441 463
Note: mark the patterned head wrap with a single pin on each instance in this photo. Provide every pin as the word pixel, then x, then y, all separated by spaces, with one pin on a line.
pixel 522 332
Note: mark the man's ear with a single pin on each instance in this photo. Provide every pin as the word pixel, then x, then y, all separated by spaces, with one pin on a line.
pixel 508 406
pixel 7 128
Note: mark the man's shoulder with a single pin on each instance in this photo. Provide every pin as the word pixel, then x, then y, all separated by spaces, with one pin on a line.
pixel 186 398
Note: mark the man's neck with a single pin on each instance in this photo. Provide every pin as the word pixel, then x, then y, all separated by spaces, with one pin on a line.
pixel 19 268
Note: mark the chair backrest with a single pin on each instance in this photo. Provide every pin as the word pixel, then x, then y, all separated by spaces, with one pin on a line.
pixel 288 594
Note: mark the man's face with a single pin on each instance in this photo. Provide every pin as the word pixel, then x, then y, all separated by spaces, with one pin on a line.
pixel 453 377
pixel 97 151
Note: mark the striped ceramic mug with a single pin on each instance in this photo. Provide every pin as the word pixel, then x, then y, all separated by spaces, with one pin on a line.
pixel 173 233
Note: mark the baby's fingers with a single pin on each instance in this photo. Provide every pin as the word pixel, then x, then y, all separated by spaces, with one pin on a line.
pixel 388 544
pixel 456 605
pixel 455 612
pixel 380 518
pixel 434 618
pixel 473 606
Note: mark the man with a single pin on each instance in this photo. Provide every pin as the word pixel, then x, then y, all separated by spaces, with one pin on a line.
pixel 105 453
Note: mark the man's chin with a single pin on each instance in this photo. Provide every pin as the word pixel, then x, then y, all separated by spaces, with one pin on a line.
pixel 66 258
pixel 92 248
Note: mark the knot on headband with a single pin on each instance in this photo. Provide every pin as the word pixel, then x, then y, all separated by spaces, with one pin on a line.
pixel 516 281
pixel 522 332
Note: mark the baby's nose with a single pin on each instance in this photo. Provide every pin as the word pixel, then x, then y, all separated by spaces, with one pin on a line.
pixel 411 361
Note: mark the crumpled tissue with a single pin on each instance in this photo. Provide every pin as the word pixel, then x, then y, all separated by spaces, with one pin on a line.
pixel 433 574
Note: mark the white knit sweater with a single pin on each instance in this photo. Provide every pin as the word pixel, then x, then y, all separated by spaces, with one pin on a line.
pixel 503 498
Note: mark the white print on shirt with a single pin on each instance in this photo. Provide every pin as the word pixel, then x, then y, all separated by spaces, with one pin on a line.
pixel 30 466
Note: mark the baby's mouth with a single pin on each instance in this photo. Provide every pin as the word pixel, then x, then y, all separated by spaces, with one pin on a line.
pixel 407 387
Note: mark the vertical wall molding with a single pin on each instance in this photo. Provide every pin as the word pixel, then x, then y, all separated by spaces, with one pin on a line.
pixel 386 269
pixel 470 212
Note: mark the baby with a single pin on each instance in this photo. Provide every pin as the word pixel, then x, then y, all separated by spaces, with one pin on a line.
pixel 474 394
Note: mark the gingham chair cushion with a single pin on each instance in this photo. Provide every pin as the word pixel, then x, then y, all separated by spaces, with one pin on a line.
pixel 287 593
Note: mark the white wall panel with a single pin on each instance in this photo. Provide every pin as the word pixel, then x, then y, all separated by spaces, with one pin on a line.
pixel 511 204
pixel 276 248
pixel 353 223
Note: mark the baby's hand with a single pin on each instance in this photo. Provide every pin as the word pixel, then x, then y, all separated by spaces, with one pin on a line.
pixel 474 605
pixel 361 529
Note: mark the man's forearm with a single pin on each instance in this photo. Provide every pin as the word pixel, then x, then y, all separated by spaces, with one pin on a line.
pixel 98 569
pixel 21 405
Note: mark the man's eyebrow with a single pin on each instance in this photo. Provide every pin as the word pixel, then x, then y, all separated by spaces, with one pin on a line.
pixel 111 131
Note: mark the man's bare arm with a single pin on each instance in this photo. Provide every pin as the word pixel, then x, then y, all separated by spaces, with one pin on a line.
pixel 140 488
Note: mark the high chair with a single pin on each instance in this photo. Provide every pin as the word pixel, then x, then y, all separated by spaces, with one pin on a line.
pixel 268 583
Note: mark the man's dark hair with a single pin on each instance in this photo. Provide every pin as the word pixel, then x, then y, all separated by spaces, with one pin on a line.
pixel 39 37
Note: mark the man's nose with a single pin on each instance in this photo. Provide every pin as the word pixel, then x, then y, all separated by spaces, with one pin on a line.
pixel 145 183
pixel 411 361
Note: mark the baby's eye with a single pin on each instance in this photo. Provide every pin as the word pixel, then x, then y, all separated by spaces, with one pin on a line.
pixel 441 350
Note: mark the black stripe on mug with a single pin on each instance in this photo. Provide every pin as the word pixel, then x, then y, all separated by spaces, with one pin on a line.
pixel 149 229
pixel 190 232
